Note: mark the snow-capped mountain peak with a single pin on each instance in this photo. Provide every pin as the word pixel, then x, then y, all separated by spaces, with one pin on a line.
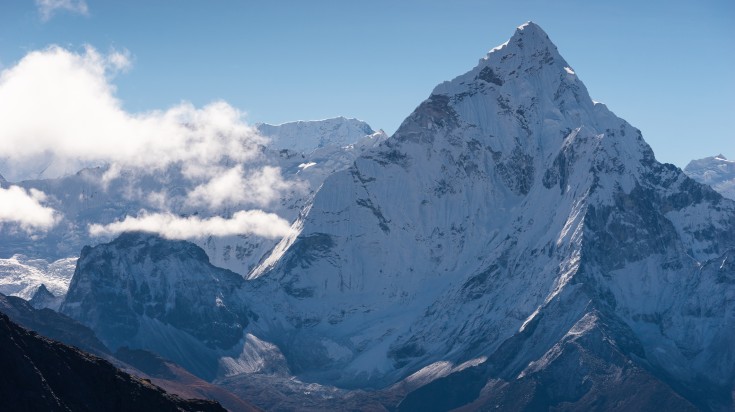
pixel 530 39
pixel 525 82
pixel 307 136
pixel 715 171
pixel 497 198
pixel 528 50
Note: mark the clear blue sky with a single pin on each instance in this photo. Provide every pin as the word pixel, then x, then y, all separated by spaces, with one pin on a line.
pixel 668 67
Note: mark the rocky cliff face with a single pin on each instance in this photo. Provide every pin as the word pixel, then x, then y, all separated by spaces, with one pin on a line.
pixel 144 292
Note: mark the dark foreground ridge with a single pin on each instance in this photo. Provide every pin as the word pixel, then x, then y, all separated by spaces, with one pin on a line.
pixel 43 375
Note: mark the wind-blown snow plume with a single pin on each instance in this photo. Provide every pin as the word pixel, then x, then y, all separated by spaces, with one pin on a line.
pixel 24 208
pixel 60 114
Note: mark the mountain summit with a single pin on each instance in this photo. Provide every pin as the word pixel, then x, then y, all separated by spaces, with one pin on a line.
pixel 511 234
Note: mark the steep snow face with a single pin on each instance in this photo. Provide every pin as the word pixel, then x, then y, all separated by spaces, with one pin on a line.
pixel 144 292
pixel 307 136
pixel 715 171
pixel 502 190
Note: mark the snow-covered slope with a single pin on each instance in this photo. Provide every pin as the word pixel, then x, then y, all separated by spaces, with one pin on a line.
pixel 715 171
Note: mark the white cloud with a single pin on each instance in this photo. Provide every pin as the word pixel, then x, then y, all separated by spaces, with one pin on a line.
pixel 260 187
pixel 47 8
pixel 24 208
pixel 59 114
pixel 119 61
pixel 255 222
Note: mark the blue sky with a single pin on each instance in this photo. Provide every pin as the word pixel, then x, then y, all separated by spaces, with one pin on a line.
pixel 665 66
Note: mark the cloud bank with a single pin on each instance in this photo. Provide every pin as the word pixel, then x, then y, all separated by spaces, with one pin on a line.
pixel 25 209
pixel 47 8
pixel 251 222
pixel 261 187
pixel 59 114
